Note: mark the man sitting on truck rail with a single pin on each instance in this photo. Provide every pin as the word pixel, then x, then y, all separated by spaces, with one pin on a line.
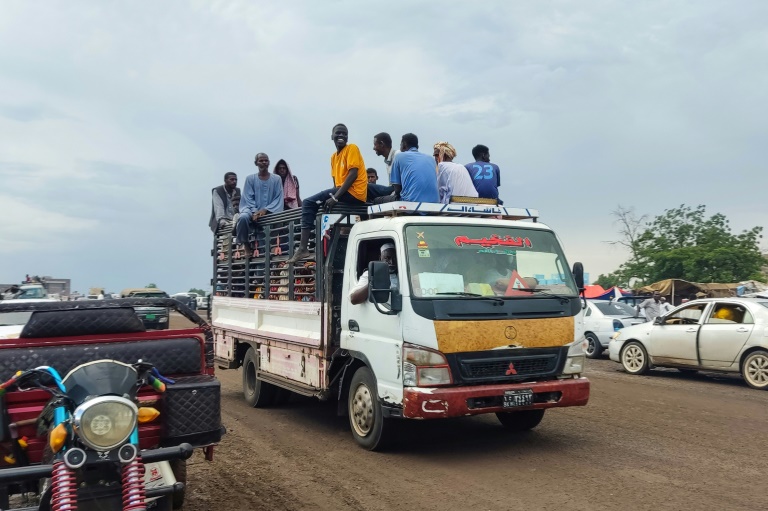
pixel 262 194
pixel 223 204
pixel 359 293
pixel 350 186
pixel 413 173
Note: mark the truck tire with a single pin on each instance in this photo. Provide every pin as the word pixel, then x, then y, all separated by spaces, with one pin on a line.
pixel 369 428
pixel 594 348
pixel 257 393
pixel 520 421
pixel 179 468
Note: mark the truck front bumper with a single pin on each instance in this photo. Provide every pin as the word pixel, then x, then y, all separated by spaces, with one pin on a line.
pixel 442 402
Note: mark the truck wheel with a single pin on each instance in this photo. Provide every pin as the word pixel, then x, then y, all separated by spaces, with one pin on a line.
pixel 257 393
pixel 634 358
pixel 365 415
pixel 520 421
pixel 594 348
pixel 179 468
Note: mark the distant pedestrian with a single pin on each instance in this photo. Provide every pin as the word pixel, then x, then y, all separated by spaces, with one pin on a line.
pixel 452 178
pixel 223 209
pixel 485 175
pixel 291 198
pixel 413 173
pixel 665 306
pixel 651 306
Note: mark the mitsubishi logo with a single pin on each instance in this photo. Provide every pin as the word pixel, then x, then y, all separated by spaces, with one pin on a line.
pixel 511 369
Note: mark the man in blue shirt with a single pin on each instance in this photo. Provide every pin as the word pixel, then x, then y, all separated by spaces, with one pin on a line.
pixel 262 194
pixel 414 175
pixel 485 175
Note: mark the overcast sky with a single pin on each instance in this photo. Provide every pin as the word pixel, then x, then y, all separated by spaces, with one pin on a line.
pixel 117 118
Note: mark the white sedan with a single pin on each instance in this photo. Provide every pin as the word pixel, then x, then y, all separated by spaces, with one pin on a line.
pixel 716 334
pixel 602 319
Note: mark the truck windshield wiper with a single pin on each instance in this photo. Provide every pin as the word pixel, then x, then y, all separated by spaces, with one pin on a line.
pixel 473 295
pixel 563 298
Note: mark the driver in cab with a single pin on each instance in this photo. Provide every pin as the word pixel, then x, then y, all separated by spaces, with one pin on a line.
pixel 359 293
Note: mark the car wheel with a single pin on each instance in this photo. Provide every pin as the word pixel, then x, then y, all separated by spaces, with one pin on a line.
pixel 366 419
pixel 257 393
pixel 594 348
pixel 634 358
pixel 754 369
pixel 520 421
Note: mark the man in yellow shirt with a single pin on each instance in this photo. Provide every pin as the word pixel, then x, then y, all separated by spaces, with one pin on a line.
pixel 350 186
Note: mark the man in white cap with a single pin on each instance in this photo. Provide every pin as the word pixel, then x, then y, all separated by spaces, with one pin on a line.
pixel 359 293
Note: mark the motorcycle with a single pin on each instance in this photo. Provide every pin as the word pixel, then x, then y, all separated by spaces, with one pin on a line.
pixel 93 460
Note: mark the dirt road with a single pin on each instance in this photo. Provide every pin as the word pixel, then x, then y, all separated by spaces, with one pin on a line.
pixel 664 441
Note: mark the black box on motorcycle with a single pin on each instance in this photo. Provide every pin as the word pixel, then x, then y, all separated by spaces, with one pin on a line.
pixel 192 406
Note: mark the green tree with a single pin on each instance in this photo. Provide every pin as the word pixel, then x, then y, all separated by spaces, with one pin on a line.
pixel 197 291
pixel 151 285
pixel 684 243
pixel 610 280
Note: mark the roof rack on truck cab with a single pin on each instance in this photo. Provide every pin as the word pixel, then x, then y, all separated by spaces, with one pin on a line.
pixel 453 209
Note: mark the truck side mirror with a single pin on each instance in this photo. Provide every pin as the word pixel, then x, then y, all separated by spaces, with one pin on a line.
pixel 578 275
pixel 379 283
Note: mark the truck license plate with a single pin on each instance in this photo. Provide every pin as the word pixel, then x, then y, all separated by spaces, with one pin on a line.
pixel 514 398
pixel 150 316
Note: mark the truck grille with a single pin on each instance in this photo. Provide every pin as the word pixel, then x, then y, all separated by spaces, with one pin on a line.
pixel 476 367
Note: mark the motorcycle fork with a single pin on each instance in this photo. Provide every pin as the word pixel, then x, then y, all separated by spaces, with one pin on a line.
pixel 134 492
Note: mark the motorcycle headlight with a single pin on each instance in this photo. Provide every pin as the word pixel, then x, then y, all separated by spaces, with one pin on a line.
pixel 105 422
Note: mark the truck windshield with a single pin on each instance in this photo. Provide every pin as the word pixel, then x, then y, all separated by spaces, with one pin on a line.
pixel 456 261
pixel 31 292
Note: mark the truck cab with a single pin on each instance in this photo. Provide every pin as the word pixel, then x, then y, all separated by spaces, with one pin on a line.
pixel 479 313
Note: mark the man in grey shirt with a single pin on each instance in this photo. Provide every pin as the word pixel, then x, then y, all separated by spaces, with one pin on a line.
pixel 223 208
pixel 651 306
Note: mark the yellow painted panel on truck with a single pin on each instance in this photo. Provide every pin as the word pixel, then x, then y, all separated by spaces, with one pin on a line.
pixel 462 336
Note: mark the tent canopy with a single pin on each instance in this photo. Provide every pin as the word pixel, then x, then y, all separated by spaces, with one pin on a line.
pixel 683 289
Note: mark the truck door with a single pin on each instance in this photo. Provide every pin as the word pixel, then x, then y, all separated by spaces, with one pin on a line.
pixel 375 336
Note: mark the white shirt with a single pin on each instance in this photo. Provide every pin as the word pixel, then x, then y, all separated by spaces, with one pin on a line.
pixel 388 161
pixel 454 179
pixel 363 282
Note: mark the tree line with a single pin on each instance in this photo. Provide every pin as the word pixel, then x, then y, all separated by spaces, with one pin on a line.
pixel 684 243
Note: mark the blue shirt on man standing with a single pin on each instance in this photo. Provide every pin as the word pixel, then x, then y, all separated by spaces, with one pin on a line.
pixel 416 173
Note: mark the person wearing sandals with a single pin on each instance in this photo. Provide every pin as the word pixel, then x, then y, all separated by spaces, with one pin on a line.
pixel 350 186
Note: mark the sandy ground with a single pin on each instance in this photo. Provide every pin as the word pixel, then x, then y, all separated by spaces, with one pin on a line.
pixel 662 441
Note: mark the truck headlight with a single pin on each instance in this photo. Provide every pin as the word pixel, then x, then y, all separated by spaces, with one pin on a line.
pixel 105 422
pixel 424 368
pixel 574 363
pixel 164 319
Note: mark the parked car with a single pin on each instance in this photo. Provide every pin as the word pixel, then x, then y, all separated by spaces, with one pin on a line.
pixel 188 299
pixel 202 301
pixel 602 319
pixel 716 334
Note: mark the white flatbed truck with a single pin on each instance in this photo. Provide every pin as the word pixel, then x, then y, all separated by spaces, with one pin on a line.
pixel 484 315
